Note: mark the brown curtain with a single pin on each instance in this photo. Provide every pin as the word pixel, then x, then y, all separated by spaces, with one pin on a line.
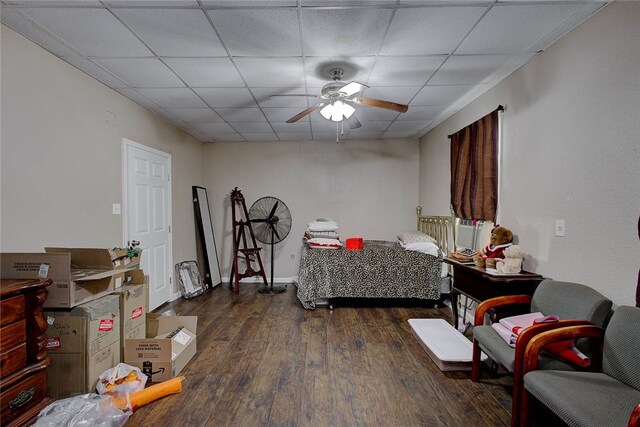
pixel 474 169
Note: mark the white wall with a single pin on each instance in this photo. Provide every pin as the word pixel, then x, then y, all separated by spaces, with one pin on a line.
pixel 571 151
pixel 62 162
pixel 369 187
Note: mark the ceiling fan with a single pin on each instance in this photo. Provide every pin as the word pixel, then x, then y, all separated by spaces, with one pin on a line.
pixel 337 99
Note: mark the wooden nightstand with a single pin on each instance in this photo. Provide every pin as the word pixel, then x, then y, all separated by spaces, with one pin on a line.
pixel 475 283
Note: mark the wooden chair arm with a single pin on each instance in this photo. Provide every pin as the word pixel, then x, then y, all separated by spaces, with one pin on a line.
pixel 634 419
pixel 538 342
pixel 498 302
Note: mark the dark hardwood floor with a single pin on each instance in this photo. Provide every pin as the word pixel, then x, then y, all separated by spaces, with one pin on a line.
pixel 263 360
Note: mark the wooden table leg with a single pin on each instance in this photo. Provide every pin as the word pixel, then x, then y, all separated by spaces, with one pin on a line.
pixel 454 306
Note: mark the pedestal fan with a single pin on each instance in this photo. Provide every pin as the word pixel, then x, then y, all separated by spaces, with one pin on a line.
pixel 271 222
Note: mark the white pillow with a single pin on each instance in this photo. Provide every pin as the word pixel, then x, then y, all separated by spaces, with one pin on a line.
pixel 415 236
pixel 429 248
pixel 322 242
pixel 322 226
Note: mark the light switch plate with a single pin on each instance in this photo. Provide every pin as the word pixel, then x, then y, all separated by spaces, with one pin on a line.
pixel 560 228
pixel 116 209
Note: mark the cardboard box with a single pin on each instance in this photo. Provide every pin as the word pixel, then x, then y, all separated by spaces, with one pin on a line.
pixel 120 259
pixel 78 275
pixel 133 307
pixel 83 343
pixel 164 356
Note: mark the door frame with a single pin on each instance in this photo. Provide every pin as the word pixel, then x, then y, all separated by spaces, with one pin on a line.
pixel 126 143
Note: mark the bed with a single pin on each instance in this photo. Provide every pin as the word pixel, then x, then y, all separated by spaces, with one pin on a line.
pixel 382 269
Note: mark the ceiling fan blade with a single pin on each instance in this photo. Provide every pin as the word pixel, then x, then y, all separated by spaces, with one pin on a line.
pixel 353 87
pixel 305 112
pixel 353 122
pixel 372 102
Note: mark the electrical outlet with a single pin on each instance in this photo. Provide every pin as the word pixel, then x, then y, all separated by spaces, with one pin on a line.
pixel 560 229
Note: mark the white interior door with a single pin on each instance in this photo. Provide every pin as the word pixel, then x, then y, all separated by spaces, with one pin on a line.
pixel 147 218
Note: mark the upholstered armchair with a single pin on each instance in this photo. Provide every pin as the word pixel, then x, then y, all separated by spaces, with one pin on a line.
pixel 609 395
pixel 573 303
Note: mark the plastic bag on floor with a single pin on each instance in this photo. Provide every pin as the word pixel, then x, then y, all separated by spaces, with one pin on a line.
pixel 121 380
pixel 188 275
pixel 85 410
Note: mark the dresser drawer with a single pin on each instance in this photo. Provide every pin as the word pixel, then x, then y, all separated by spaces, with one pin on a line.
pixel 12 309
pixel 23 396
pixel 13 359
pixel 12 335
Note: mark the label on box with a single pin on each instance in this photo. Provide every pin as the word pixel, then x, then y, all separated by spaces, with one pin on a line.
pixel 43 271
pixel 53 343
pixel 182 337
pixel 136 313
pixel 105 325
pixel 118 282
pixel 50 320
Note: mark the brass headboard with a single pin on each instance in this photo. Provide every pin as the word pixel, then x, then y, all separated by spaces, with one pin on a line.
pixel 441 228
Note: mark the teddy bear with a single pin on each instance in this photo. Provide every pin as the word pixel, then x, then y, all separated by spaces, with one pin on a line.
pixel 500 240
pixel 512 262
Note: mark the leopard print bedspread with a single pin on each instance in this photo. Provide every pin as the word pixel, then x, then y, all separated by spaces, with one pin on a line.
pixel 381 270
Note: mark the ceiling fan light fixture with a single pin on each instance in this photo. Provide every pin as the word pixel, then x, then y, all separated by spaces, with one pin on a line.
pixel 337 111
pixel 327 111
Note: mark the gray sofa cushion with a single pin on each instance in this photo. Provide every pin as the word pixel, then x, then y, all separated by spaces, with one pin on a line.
pixel 621 356
pixel 583 399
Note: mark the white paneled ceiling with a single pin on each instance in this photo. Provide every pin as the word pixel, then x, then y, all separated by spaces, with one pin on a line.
pixel 211 66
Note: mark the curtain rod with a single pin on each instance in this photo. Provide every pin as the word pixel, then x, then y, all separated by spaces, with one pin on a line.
pixel 500 108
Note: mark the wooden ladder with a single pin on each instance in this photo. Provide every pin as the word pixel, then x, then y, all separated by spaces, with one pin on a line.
pixel 249 254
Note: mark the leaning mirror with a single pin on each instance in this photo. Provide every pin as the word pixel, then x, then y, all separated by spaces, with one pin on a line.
pixel 205 228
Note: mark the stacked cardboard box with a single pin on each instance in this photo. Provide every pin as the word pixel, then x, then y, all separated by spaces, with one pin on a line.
pixel 82 342
pixel 79 275
pixel 134 305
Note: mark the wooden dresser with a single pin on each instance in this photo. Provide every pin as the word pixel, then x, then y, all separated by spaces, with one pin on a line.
pixel 23 356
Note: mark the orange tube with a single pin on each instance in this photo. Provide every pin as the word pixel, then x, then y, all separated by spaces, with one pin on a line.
pixel 149 394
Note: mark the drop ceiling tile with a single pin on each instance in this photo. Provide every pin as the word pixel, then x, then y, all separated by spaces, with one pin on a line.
pixel 285 136
pixel 141 72
pixel 406 71
pixel 207 128
pixel 224 137
pixel 96 72
pixel 260 136
pixel 206 72
pixel 360 134
pixel 174 32
pixel 173 97
pixel 429 30
pixel 401 134
pixel 164 3
pixel 325 136
pixel 252 3
pixel 524 25
pixel 256 127
pixel 297 127
pixel 377 126
pixel 317 69
pixel 325 126
pixel 271 72
pixel 471 69
pixel 21 24
pixel 395 94
pixel 344 3
pixel 408 125
pixel 283 114
pixel 100 34
pixel 426 113
pixel 196 115
pixel 351 32
pixel 51 3
pixel 258 32
pixel 241 114
pixel 138 98
pixel 227 97
pixel 264 98
pixel 440 95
